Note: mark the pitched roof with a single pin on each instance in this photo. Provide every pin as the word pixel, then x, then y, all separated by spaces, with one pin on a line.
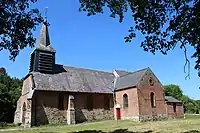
pixel 75 80
pixel 171 99
pixel 122 73
pixel 44 40
pixel 129 79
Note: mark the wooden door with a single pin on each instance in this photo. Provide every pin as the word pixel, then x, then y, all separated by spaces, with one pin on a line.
pixel 118 114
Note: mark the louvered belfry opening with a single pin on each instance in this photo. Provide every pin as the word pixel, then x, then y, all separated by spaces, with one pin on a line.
pixel 43 57
pixel 46 62
pixel 42 61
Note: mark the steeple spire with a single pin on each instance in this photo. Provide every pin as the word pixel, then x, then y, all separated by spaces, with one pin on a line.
pixel 43 57
pixel 44 40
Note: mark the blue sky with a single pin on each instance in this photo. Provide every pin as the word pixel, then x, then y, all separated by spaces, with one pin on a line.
pixel 97 42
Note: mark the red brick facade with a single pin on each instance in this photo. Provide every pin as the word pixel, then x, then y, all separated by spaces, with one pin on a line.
pixel 140 101
pixel 132 111
pixel 175 110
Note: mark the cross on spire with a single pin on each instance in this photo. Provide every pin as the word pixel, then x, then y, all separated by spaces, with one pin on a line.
pixel 46 11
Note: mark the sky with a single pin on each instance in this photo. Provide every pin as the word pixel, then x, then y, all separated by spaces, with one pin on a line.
pixel 97 42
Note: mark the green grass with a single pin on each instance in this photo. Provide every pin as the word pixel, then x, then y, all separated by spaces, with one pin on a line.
pixel 192 116
pixel 189 125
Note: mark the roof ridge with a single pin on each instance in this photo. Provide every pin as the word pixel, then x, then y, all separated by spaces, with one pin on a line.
pixel 134 72
pixel 90 69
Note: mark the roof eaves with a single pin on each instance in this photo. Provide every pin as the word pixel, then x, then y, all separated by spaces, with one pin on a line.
pixel 125 88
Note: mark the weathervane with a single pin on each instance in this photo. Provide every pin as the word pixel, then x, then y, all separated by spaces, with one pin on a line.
pixel 46 9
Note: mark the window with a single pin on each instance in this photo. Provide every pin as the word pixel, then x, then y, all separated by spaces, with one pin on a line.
pixel 60 101
pixel 151 81
pixel 152 100
pixel 106 102
pixel 24 107
pixel 89 102
pixel 24 112
pixel 174 107
pixel 125 101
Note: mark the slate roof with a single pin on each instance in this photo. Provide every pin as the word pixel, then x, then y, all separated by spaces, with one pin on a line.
pixel 129 79
pixel 122 73
pixel 171 99
pixel 75 80
pixel 44 39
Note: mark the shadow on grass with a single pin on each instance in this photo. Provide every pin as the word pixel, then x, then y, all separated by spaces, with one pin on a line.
pixel 192 131
pixel 115 131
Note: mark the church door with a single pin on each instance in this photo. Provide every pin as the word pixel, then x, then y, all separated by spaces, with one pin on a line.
pixel 118 113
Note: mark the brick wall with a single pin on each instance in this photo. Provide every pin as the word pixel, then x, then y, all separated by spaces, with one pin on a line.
pixel 18 112
pixel 27 85
pixel 179 110
pixel 132 112
pixel 145 88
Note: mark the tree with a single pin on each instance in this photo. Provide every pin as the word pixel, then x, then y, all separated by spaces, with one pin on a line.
pixel 174 91
pixel 164 24
pixel 185 100
pixel 17 21
pixel 3 71
pixel 10 89
pixel 189 105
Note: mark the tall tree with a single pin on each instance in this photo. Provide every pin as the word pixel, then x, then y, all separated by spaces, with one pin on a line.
pixel 17 21
pixel 164 24
pixel 10 89
pixel 173 90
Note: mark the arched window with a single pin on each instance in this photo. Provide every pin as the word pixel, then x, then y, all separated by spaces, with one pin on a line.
pixel 125 101
pixel 24 107
pixel 152 100
pixel 23 112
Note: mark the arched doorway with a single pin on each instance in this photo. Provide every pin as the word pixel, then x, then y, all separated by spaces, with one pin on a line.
pixel 23 112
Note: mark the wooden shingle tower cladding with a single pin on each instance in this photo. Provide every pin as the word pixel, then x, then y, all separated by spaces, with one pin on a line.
pixel 43 57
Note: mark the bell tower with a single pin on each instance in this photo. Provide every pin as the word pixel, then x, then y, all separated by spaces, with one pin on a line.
pixel 43 57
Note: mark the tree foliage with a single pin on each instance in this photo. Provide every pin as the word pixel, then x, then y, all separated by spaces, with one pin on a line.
pixel 10 89
pixel 17 21
pixel 164 24
pixel 189 105
pixel 173 90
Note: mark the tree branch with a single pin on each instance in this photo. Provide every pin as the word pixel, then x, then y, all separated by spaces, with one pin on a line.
pixel 187 63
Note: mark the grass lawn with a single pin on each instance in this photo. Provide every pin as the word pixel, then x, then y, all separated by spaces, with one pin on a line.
pixel 189 125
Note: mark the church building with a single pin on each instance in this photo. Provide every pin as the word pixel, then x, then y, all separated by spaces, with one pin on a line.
pixel 54 93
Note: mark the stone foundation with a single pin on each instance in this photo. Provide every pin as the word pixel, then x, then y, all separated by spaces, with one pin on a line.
pixel 134 118
pixel 49 115
pixel 93 115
